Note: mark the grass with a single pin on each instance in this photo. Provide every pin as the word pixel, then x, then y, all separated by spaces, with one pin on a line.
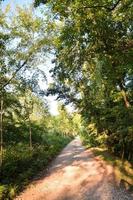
pixel 123 169
pixel 20 164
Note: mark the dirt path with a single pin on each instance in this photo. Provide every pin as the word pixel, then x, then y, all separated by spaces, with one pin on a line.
pixel 76 175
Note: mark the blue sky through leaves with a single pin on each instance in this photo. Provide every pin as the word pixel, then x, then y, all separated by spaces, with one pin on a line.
pixel 46 66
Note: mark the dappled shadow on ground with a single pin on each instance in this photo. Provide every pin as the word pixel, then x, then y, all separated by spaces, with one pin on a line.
pixel 76 175
pixel 124 167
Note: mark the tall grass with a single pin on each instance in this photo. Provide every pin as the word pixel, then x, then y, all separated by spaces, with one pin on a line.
pixel 20 163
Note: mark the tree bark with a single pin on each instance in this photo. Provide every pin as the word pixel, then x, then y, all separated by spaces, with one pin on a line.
pixel 124 95
pixel 127 104
pixel 30 135
pixel 1 131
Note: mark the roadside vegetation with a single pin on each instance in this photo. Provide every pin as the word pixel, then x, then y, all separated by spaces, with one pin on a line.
pixel 20 164
pixel 123 169
pixel 29 149
pixel 93 68
pixel 94 71
pixel 91 44
pixel 30 137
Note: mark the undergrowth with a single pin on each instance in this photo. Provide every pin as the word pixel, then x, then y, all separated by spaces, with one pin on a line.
pixel 20 163
pixel 123 169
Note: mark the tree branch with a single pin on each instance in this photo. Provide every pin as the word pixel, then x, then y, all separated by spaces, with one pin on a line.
pixel 103 6
pixel 115 5
pixel 14 74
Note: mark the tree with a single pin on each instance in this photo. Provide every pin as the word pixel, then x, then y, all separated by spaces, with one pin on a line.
pixel 93 65
pixel 3 40
pixel 22 45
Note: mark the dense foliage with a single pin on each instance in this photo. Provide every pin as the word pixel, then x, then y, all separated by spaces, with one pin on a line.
pixel 93 66
pixel 92 43
pixel 22 163
pixel 29 136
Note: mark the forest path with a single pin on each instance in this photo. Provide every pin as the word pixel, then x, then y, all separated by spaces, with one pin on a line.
pixel 76 174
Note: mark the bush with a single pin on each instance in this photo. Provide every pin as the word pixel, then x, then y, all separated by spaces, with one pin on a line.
pixel 22 163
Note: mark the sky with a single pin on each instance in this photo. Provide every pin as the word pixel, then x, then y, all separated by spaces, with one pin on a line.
pixel 46 66
pixel 13 3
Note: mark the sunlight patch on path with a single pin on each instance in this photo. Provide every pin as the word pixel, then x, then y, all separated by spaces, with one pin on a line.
pixel 76 175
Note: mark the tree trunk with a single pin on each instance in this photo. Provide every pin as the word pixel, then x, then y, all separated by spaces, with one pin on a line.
pixel 127 104
pixel 30 135
pixel 1 131
pixel 123 150
pixel 125 98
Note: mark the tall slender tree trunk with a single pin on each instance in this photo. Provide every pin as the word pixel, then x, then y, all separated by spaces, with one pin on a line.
pixel 123 151
pixel 30 135
pixel 1 131
pixel 124 95
pixel 127 104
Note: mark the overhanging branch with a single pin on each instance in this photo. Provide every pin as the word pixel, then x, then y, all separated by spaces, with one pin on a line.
pixel 103 6
pixel 14 74
pixel 115 5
